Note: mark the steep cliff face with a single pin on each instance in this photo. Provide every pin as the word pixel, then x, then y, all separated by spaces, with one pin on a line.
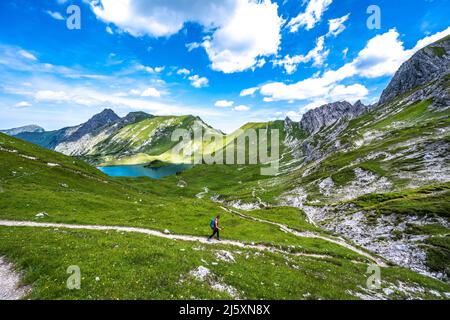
pixel 428 64
pixel 320 118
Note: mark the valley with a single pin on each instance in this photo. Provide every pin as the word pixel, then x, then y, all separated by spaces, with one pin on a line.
pixel 357 186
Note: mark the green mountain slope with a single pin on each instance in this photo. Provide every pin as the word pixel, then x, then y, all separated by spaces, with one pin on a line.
pixel 34 180
pixel 377 176
pixel 146 141
pixel 399 146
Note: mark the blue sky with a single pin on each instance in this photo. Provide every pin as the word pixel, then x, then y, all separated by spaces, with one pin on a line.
pixel 228 61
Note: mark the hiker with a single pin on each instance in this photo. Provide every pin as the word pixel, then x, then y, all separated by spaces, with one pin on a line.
pixel 214 224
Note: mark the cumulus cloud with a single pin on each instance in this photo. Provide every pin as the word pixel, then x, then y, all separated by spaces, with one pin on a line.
pixel 224 104
pixel 385 53
pixel 151 92
pixel 183 71
pixel 148 92
pixel 198 82
pixel 317 55
pixel 228 48
pixel 232 50
pixel 311 16
pixel 160 18
pixel 382 56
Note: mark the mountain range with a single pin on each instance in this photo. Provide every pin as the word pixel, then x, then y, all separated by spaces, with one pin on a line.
pixel 378 175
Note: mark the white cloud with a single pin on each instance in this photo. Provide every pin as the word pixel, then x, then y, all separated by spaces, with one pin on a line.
pixel 161 18
pixel 431 39
pixel 382 56
pixel 311 16
pixel 55 15
pixel 345 53
pixel 385 53
pixel 135 92
pixel 350 93
pixel 314 105
pixel 336 26
pixel 23 104
pixel 232 50
pixel 51 96
pixel 87 97
pixel 294 115
pixel 151 70
pixel 248 92
pixel 224 104
pixel 317 55
pixel 28 55
pixel 151 92
pixel 261 63
pixel 241 108
pixel 193 45
pixel 183 72
pixel 229 48
pixel 311 88
pixel 109 30
pixel 198 82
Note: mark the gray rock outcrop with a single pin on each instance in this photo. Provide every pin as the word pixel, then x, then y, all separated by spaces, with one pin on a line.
pixel 428 64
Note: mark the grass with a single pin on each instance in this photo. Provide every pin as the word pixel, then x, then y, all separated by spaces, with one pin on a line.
pixel 438 51
pixel 129 266
pixel 426 201
pixel 69 196
pixel 289 216
pixel 438 253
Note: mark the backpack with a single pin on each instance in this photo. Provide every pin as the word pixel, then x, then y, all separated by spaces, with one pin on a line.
pixel 212 224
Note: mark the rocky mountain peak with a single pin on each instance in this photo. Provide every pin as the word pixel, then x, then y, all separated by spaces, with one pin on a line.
pixel 98 121
pixel 105 117
pixel 134 117
pixel 315 120
pixel 426 65
pixel 288 121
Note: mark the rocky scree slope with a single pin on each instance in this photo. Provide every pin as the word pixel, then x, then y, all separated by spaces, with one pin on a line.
pixel 377 175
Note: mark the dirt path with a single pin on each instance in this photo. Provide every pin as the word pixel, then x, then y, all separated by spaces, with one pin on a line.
pixel 10 281
pixel 203 240
pixel 312 235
